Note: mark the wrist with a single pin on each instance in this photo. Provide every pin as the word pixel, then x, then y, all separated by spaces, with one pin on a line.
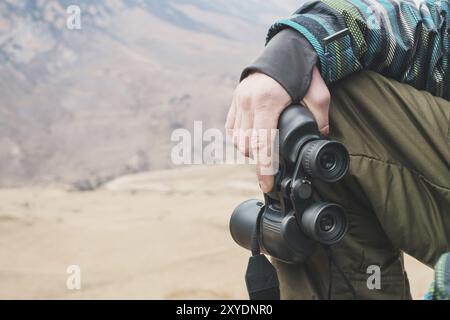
pixel 289 60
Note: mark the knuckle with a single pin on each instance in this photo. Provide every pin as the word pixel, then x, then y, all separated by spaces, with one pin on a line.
pixel 246 103
pixel 326 98
pixel 244 100
pixel 263 99
pixel 323 100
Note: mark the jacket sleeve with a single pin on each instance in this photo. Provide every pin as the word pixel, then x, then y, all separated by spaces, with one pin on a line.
pixel 401 39
pixel 289 59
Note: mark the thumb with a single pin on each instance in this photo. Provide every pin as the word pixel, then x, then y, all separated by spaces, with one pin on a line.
pixel 317 100
pixel 320 113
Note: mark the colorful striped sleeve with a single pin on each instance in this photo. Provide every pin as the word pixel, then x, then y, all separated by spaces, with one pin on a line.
pixel 402 39
pixel 440 288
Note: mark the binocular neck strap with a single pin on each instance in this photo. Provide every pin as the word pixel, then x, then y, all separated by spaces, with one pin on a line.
pixel 261 277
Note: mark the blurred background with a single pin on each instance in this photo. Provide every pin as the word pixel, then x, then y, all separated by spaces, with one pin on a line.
pixel 85 122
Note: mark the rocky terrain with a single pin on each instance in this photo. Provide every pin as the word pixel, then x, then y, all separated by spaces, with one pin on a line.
pixel 84 106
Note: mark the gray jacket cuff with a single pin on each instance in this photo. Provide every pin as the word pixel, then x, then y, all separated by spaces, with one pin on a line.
pixel 289 59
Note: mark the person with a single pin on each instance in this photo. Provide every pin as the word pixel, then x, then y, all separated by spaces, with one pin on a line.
pixel 376 77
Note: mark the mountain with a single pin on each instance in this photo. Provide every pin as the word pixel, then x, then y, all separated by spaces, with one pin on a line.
pixel 83 106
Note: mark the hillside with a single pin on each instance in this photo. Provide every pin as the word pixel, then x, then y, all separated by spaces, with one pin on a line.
pixel 84 106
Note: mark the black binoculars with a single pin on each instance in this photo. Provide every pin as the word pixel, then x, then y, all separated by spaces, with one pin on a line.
pixel 292 219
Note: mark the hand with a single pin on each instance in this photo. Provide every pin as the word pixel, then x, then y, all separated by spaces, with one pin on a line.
pixel 257 104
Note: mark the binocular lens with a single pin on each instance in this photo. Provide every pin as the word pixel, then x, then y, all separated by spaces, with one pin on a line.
pixel 325 160
pixel 324 222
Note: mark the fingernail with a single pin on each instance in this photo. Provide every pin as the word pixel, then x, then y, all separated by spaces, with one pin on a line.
pixel 263 186
pixel 325 130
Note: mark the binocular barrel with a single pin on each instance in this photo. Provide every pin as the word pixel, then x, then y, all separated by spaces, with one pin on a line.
pixel 283 237
pixel 279 236
pixel 244 221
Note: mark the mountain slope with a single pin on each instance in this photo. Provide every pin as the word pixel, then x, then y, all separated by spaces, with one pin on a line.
pixel 91 104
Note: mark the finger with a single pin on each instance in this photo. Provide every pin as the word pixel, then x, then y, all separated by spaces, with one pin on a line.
pixel 246 133
pixel 237 127
pixel 262 142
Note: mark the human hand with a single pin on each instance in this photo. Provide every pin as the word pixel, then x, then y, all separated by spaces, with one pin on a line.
pixel 257 105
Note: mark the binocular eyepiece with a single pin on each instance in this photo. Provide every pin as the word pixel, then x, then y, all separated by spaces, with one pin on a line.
pixel 292 219
pixel 325 160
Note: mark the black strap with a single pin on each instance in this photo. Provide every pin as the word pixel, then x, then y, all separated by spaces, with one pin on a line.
pixel 261 277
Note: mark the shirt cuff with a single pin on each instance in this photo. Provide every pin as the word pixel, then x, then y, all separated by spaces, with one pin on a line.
pixel 289 59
